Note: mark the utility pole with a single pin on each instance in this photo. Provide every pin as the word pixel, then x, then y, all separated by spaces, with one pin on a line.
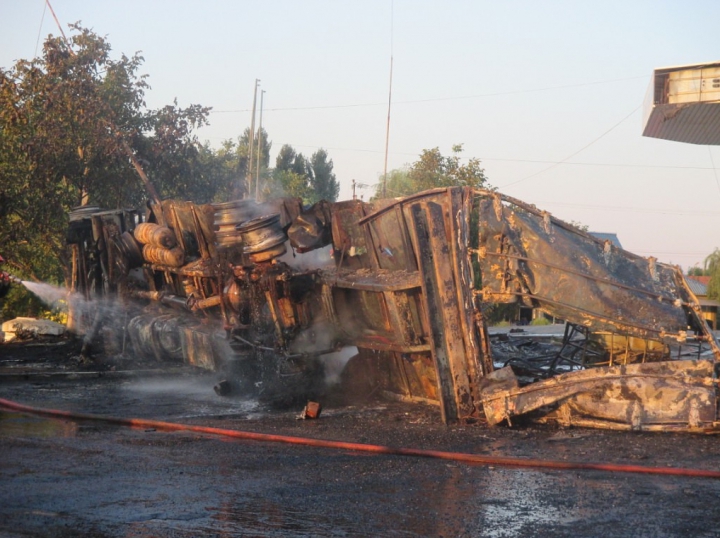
pixel 353 184
pixel 257 177
pixel 251 142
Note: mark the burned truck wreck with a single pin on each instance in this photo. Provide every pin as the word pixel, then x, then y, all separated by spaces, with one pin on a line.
pixel 260 292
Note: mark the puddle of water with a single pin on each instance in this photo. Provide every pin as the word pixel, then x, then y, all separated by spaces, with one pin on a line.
pixel 15 425
pixel 263 517
pixel 514 501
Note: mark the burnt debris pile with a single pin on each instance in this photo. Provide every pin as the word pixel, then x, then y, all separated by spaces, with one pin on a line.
pixel 260 292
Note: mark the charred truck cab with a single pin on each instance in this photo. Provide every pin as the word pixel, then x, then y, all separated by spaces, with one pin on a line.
pixel 260 291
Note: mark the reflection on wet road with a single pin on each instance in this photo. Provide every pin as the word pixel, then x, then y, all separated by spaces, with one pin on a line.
pixel 21 425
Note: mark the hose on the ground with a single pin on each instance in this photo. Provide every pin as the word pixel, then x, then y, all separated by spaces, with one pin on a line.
pixel 362 447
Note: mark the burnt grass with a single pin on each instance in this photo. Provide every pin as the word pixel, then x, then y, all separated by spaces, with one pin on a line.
pixel 85 478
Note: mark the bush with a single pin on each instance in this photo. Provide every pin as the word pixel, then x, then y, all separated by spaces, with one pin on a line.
pixel 540 321
pixel 498 313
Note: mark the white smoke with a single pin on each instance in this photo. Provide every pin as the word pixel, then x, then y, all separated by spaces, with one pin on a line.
pixel 315 259
pixel 335 363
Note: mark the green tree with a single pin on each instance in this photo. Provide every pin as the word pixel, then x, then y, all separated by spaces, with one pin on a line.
pixel 712 268
pixel 323 183
pixel 431 170
pixel 171 153
pixel 310 179
pixel 66 119
pixel 696 270
pixel 219 169
pixel 58 143
pixel 290 177
pixel 398 184
pixel 288 160
pixel 288 183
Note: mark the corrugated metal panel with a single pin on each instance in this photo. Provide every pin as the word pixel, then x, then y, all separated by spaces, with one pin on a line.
pixel 696 123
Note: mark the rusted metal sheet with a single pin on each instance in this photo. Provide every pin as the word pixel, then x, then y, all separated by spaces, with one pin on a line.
pixel 631 309
pixel 455 385
pixel 438 222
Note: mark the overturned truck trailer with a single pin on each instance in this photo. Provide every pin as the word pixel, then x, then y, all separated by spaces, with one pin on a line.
pixel 261 291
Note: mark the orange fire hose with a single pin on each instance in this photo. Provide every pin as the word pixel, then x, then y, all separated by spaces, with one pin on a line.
pixel 362 447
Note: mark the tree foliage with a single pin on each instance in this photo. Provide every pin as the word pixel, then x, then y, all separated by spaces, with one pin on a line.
pixel 323 182
pixel 65 118
pixel 712 268
pixel 67 122
pixel 696 270
pixel 310 179
pixel 431 170
pixel 172 155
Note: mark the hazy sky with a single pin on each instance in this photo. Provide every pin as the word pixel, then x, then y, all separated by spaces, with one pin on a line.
pixel 548 94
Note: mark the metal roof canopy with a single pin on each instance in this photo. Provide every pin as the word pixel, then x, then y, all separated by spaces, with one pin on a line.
pixel 683 104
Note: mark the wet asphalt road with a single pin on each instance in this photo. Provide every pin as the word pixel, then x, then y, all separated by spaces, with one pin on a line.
pixel 67 478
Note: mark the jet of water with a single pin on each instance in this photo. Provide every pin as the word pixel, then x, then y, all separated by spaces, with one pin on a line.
pixel 47 293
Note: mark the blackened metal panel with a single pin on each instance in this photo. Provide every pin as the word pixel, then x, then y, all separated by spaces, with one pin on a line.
pixel 421 229
pixel 350 244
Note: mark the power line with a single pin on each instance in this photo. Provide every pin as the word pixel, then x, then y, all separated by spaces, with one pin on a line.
pixel 436 99
pixel 573 155
pixel 534 90
pixel 625 209
pixel 502 159
pixel 616 165
pixel 712 161
pixel 42 19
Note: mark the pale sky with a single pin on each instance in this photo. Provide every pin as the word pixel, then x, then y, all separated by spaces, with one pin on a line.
pixel 547 94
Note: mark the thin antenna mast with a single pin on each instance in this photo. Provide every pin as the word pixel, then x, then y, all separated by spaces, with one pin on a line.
pixel 387 130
